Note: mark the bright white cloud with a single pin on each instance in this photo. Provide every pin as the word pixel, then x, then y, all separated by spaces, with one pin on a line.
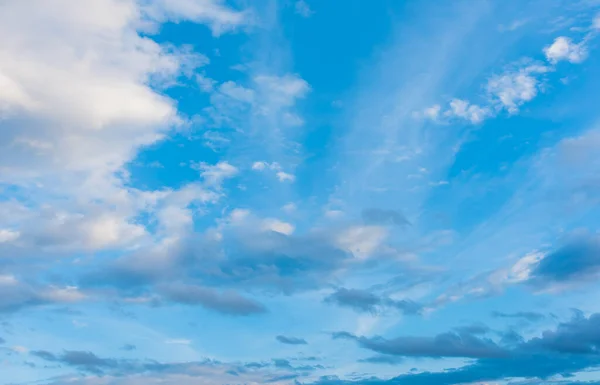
pixel 563 48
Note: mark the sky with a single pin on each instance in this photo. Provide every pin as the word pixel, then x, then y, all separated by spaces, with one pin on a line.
pixel 303 192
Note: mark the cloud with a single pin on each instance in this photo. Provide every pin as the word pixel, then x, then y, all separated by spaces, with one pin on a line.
pixel 219 17
pixel 16 294
pixel 226 303
pixel 243 252
pixel 82 360
pixel 278 226
pixel 381 359
pixel 515 87
pixel 568 349
pixel 450 344
pixel 576 261
pixel 471 112
pixel 362 241
pixel 281 175
pixel 70 111
pixel 526 315
pixel 563 48
pixel 281 91
pixel 136 372
pixel 8 235
pixel 368 302
pixel 214 175
pixel 291 340
pixel 285 177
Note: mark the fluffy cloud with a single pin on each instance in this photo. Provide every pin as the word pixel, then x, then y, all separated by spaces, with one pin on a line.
pixel 513 88
pixel 471 112
pixel 563 48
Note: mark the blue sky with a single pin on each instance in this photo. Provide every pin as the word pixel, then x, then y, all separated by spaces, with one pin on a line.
pixel 301 192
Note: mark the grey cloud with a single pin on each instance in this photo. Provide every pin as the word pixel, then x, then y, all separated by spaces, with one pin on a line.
pixel 579 336
pixel 526 315
pixel 450 344
pixel 16 295
pixel 229 302
pixel 577 260
pixel 291 340
pixel 375 216
pixel 366 301
pixel 382 359
pixel 82 360
pixel 572 347
pixel 128 347
pixel 172 373
pixel 244 259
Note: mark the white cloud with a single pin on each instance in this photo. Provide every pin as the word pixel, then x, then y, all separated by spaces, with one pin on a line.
pixel 212 12
pixel 285 177
pixel 8 235
pixel 471 112
pixel 281 91
pixel 362 241
pixel 178 341
pixel 62 295
pixel 259 166
pixel 513 88
pixel 237 92
pixel 276 167
pixel 289 207
pixel 596 22
pixel 563 48
pixel 520 271
pixel 205 83
pixel 214 175
pixel 78 98
pixel 432 112
pixel 278 226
